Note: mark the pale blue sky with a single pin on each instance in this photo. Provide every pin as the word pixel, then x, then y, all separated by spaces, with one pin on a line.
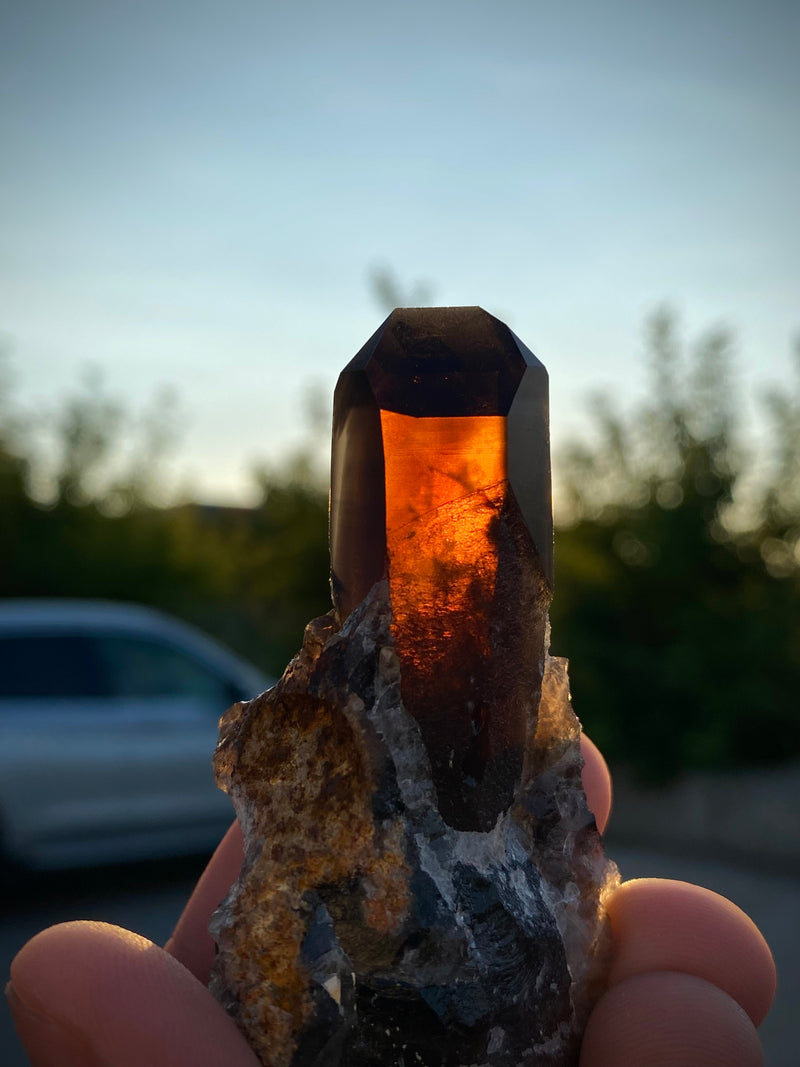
pixel 193 193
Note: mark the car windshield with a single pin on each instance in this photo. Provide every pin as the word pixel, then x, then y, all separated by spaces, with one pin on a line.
pixel 80 666
pixel 49 666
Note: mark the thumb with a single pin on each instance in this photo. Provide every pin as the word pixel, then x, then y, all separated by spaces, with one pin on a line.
pixel 84 994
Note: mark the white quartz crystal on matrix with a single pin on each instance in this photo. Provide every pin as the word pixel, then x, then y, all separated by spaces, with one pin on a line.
pixel 364 930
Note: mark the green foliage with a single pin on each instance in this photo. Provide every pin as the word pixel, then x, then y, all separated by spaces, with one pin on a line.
pixel 677 584
pixel 682 627
pixel 86 524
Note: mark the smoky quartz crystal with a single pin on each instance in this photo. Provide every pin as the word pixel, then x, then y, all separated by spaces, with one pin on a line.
pixel 423 881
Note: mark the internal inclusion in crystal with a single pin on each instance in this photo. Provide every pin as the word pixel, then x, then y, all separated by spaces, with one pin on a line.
pixel 441 483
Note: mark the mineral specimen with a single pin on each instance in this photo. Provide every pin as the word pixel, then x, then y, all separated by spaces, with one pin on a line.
pixel 423 882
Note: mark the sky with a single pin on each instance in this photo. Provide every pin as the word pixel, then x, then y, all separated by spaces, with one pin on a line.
pixel 194 194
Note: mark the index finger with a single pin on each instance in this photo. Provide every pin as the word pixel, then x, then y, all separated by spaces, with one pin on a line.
pixel 191 943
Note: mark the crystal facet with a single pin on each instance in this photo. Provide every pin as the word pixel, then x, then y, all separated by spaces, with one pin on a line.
pixel 423 881
pixel 441 484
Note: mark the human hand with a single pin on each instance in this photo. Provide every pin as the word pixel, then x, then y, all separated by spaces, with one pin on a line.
pixel 691 979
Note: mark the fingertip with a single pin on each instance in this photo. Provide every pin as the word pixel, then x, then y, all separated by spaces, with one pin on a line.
pixel 48 974
pixel 596 782
pixel 48 1041
pixel 191 943
pixel 665 925
pixel 86 992
pixel 660 1019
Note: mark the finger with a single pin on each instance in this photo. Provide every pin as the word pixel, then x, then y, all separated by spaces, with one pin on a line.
pixel 85 993
pixel 191 943
pixel 669 1020
pixel 662 925
pixel 596 782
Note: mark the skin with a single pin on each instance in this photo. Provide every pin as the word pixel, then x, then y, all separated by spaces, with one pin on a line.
pixel 691 979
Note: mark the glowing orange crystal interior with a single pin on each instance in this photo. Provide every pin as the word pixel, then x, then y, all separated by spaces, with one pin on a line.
pixel 442 478
pixel 429 462
pixel 424 493
pixel 445 483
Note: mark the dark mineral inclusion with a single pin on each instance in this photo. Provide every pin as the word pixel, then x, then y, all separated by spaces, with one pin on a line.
pixel 423 882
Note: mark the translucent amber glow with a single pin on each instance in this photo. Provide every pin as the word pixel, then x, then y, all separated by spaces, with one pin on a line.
pixel 445 488
pixel 431 462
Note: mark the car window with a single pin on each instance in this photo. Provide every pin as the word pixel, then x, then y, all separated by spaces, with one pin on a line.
pixel 143 667
pixel 49 666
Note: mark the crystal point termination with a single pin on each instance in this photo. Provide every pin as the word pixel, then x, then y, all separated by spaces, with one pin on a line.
pixel 423 882
pixel 442 364
pixel 441 484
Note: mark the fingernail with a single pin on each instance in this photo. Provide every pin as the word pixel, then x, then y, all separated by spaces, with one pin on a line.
pixel 49 1042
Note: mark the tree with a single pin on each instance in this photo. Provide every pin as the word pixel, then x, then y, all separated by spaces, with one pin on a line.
pixel 684 644
pixel 677 572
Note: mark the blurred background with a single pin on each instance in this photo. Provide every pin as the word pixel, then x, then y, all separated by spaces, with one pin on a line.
pixel 206 212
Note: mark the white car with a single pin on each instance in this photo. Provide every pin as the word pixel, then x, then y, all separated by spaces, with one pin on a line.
pixel 108 722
